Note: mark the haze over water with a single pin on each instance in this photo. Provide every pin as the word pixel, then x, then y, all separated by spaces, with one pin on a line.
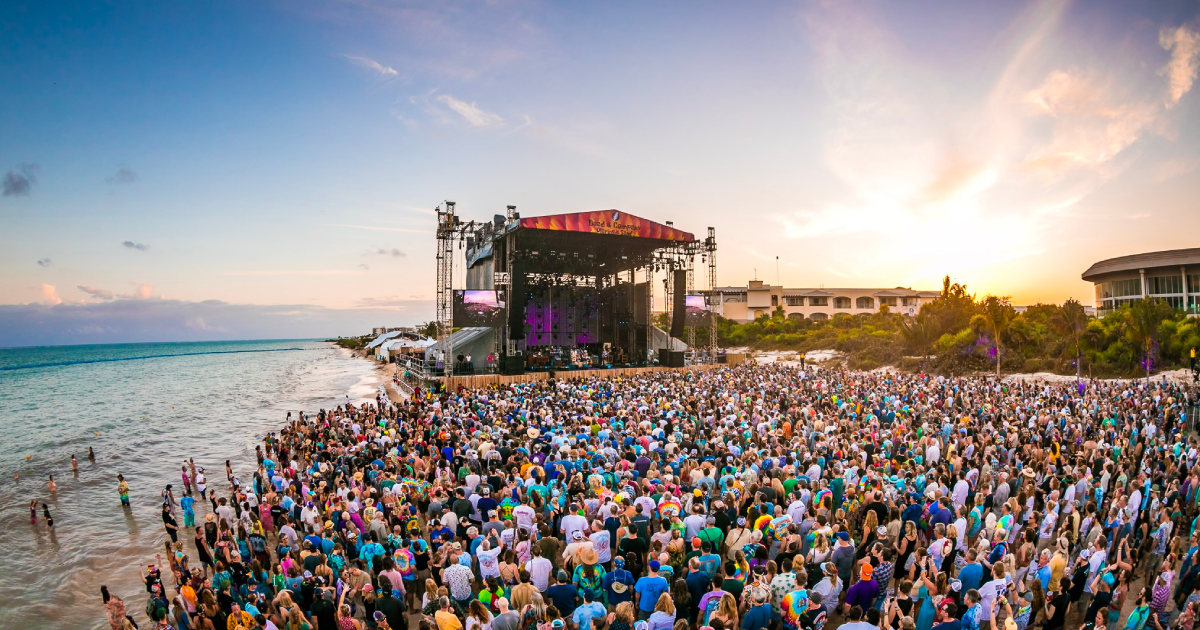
pixel 143 417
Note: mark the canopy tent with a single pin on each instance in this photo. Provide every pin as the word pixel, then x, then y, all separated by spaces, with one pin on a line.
pixel 382 338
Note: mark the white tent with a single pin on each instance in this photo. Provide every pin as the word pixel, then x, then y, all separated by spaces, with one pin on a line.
pixel 382 338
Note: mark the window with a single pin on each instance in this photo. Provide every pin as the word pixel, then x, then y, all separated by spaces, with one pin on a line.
pixel 1159 285
pixel 818 317
pixel 1194 283
pixel 864 302
pixel 796 316
pixel 908 301
pixel 841 302
pixel 890 301
pixel 1127 288
pixel 794 300
pixel 1176 301
pixel 774 300
pixel 818 301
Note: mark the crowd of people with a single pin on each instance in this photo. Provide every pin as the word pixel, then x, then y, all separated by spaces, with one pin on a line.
pixel 752 497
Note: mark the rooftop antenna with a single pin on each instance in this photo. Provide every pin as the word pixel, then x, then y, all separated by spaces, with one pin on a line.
pixel 777 282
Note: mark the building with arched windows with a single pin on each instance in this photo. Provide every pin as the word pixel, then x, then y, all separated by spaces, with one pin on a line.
pixel 743 304
pixel 1172 276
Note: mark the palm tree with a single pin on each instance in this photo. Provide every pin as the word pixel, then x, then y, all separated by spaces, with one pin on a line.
pixel 919 332
pixel 1144 318
pixel 995 314
pixel 1070 321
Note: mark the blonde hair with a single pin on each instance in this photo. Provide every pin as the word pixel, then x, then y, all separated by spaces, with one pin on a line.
pixel 625 612
pixel 665 604
pixel 870 522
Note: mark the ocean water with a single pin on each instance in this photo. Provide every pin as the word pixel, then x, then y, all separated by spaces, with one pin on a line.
pixel 144 409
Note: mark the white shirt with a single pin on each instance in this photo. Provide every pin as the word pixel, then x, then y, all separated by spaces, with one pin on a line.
pixel 961 488
pixel 601 542
pixel 539 572
pixel 524 516
pixel 572 523
pixel 988 594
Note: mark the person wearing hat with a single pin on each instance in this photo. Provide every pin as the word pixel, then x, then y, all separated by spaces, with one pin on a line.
pixel 843 556
pixel 863 592
pixel 618 584
pixel 563 594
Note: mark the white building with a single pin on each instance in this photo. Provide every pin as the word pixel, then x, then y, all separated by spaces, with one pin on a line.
pixel 743 304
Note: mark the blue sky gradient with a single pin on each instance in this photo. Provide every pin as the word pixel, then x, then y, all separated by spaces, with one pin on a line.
pixel 272 157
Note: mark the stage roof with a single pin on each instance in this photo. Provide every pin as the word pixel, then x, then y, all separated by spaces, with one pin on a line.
pixel 612 222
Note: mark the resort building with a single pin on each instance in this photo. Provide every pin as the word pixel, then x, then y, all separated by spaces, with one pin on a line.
pixel 743 304
pixel 1172 276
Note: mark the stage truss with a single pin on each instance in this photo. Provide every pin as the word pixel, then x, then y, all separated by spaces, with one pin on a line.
pixel 452 231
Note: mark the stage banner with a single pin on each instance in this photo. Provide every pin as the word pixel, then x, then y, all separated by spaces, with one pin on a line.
pixel 607 222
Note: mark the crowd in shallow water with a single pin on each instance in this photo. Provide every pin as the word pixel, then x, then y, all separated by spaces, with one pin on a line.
pixel 759 497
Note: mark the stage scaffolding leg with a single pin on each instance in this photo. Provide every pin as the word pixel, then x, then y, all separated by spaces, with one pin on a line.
pixel 445 284
pixel 710 248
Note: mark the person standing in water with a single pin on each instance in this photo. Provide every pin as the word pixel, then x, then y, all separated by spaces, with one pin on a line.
pixel 189 513
pixel 187 481
pixel 74 464
pixel 46 515
pixel 33 511
pixel 91 455
pixel 169 522
pixel 168 497
pixel 201 482
pixel 123 490
pixel 53 486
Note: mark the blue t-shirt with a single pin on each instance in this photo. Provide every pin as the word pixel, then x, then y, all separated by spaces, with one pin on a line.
pixel 563 598
pixel 649 589
pixel 584 614
pixel 757 618
pixel 970 576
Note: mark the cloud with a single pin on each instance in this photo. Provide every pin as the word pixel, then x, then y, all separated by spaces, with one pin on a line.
pixel 393 252
pixel 1173 168
pixel 474 116
pixel 142 292
pixel 371 64
pixel 19 181
pixel 1184 45
pixel 99 294
pixel 406 121
pixel 141 247
pixel 50 295
pixel 364 267
pixel 126 321
pixel 45 262
pixel 998 153
pixel 1094 120
pixel 123 176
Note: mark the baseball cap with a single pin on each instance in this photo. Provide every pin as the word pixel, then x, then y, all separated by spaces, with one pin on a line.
pixel 654 565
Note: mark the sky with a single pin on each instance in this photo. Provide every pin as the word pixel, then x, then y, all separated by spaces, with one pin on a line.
pixel 228 170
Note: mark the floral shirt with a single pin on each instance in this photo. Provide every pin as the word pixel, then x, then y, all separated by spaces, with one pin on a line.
pixel 783 584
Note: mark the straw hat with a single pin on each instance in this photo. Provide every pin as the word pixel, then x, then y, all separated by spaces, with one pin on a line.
pixel 588 556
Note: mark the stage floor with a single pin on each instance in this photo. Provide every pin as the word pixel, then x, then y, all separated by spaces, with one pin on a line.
pixel 483 380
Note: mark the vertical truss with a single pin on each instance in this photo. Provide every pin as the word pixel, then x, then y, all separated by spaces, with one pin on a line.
pixel 446 221
pixel 710 251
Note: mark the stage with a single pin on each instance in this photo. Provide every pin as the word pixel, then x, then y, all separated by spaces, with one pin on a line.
pixel 567 293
